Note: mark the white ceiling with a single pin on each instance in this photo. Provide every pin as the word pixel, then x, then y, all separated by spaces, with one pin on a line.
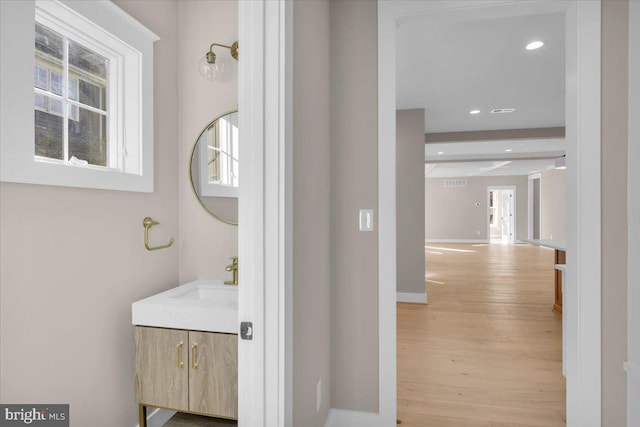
pixel 491 158
pixel 486 168
pixel 451 67
pixel 491 149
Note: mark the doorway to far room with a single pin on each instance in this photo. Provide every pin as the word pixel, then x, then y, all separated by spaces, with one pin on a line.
pixel 501 215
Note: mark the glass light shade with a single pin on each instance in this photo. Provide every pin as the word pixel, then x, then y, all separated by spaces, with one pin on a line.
pixel 209 71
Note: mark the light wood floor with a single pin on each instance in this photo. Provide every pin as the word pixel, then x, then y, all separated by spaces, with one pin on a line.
pixel 487 349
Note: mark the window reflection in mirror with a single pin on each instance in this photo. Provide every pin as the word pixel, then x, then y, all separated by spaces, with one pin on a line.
pixel 214 168
pixel 218 146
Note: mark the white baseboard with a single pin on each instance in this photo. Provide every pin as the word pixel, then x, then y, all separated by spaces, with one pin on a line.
pixel 345 418
pixel 158 417
pixel 633 370
pixel 456 241
pixel 414 297
pixel 633 393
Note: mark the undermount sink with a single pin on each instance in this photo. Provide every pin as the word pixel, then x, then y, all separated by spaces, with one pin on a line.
pixel 201 305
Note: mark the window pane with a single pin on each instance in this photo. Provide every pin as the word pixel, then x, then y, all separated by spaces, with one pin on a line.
pixel 87 62
pixel 55 106
pixel 40 77
pixel 56 83
pixel 93 95
pixel 88 137
pixel 49 44
pixel 40 102
pixel 48 131
pixel 72 112
pixel 73 90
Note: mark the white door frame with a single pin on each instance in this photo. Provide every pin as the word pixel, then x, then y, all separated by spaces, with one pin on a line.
pixel 514 205
pixel 264 231
pixel 583 302
pixel 632 366
pixel 530 205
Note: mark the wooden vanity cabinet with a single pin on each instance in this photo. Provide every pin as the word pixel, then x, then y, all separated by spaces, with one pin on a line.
pixel 213 385
pixel 187 371
pixel 159 381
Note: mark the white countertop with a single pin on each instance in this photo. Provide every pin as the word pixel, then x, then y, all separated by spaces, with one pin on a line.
pixel 555 244
pixel 201 305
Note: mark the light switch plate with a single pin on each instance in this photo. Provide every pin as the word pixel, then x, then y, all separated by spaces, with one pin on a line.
pixel 366 219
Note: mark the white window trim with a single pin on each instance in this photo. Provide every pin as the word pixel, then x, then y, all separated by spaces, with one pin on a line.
pixel 17 160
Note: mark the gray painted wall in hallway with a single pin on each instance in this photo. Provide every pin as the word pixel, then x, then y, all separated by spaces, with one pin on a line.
pixel 451 212
pixel 410 200
pixel 614 131
pixel 554 204
pixel 311 213
pixel 354 178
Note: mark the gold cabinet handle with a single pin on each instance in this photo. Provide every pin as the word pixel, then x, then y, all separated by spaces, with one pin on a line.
pixel 179 354
pixel 194 348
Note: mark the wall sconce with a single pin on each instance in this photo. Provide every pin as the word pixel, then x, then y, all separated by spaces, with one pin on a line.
pixel 207 66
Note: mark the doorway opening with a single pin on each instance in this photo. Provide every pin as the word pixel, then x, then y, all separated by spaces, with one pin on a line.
pixel 582 60
pixel 484 290
pixel 501 215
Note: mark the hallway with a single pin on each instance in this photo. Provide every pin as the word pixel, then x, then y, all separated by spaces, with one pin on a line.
pixel 487 349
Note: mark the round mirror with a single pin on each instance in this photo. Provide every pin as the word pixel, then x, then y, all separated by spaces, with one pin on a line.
pixel 214 168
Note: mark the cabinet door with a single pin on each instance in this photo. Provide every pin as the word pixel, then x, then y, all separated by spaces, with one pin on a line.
pixel 213 374
pixel 161 367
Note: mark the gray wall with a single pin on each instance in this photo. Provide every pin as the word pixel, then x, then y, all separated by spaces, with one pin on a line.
pixel 554 204
pixel 311 213
pixel 451 213
pixel 73 261
pixel 410 200
pixel 614 130
pixel 354 177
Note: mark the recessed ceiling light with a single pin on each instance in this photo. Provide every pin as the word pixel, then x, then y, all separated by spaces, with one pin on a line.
pixel 508 150
pixel 502 110
pixel 534 45
pixel 474 112
pixel 440 152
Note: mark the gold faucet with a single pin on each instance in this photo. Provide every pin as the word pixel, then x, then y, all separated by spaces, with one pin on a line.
pixel 234 268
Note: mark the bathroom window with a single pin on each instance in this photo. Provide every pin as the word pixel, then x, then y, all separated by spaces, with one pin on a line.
pixel 71 125
pixel 91 118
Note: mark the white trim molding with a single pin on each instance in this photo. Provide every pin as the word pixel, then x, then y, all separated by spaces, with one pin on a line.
pixel 264 245
pixel 582 290
pixel 412 297
pixel 345 418
pixel 633 392
pixel 456 241
pixel 633 371
pixel 632 366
